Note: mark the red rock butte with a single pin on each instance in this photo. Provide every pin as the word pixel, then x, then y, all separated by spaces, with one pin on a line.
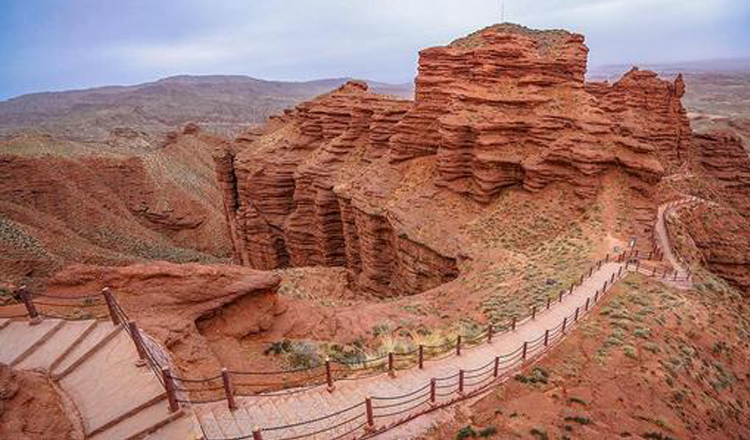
pixel 356 179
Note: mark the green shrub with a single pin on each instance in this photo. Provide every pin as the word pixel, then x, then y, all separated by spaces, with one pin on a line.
pixel 578 419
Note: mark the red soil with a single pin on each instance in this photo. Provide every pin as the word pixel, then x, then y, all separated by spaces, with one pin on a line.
pixel 31 409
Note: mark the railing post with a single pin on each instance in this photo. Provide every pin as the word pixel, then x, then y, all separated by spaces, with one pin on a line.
pixel 138 341
pixel 228 389
pixel 650 254
pixel 391 371
pixel 653 272
pixel 637 265
pixel 581 281
pixel 596 296
pixel 525 349
pixel 565 324
pixel 612 280
pixel 490 330
pixel 28 302
pixel 170 389
pixel 546 337
pixel 576 317
pixel 533 313
pixel 496 368
pixel 587 304
pixel 421 356
pixel 513 324
pixel 606 259
pixel 619 271
pixel 560 298
pixel 329 376
pixel 591 270
pixel 636 254
pixel 458 345
pixel 370 415
pixel 433 394
pixel 549 301
pixel 256 433
pixel 675 276
pixel 461 381
pixel 599 265
pixel 110 300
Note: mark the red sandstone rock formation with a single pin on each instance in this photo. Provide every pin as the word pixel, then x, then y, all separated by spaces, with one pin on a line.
pixel 339 180
pixel 183 305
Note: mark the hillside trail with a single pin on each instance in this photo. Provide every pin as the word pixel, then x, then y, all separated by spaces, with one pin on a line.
pixel 126 401
pixel 283 415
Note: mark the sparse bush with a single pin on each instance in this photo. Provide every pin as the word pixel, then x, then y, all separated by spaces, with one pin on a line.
pixel 466 432
pixel 539 433
pixel 576 400
pixel 578 419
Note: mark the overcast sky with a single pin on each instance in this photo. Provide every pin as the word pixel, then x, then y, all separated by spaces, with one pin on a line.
pixel 64 44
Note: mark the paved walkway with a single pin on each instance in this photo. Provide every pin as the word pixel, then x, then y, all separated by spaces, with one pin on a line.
pixel 270 411
pixel 94 363
pixel 267 411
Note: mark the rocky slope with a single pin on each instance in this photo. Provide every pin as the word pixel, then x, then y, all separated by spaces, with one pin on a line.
pixel 222 104
pixel 64 202
pixel 32 409
pixel 392 189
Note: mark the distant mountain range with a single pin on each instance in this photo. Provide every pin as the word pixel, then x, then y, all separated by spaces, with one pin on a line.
pixel 717 66
pixel 219 103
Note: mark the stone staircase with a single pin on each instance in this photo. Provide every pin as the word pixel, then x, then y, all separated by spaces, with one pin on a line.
pixel 95 364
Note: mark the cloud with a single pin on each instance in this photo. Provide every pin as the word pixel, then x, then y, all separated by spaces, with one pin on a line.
pixel 47 45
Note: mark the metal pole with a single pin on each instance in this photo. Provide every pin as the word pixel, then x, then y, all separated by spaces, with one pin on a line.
pixel 138 341
pixel 329 375
pixel 565 324
pixel 546 337
pixel 458 346
pixel 421 356
pixel 461 381
pixel 169 387
pixel 110 300
pixel 560 299
pixel 489 333
pixel 587 304
pixel 576 318
pixel 370 416
pixel 496 369
pixel 513 324
pixel 391 371
pixel 432 390
pixel 228 389
pixel 533 313
pixel 28 301
pixel 525 347
pixel 549 300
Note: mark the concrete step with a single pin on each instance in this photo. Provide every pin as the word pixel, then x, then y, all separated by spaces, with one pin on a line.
pixel 209 424
pixel 20 339
pixel 62 341
pixel 119 389
pixel 183 428
pixel 99 333
pixel 141 423
pixel 227 424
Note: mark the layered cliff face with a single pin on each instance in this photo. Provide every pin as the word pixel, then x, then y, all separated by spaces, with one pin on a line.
pixel 63 202
pixel 387 188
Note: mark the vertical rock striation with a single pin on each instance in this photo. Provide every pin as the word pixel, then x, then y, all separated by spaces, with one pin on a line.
pixel 504 107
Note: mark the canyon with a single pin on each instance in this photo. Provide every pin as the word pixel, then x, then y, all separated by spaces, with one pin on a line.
pixel 374 184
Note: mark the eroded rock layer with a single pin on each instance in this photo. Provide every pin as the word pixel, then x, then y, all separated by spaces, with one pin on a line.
pixel 328 182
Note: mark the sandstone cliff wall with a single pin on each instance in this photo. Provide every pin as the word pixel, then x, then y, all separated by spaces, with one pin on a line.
pixel 504 107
